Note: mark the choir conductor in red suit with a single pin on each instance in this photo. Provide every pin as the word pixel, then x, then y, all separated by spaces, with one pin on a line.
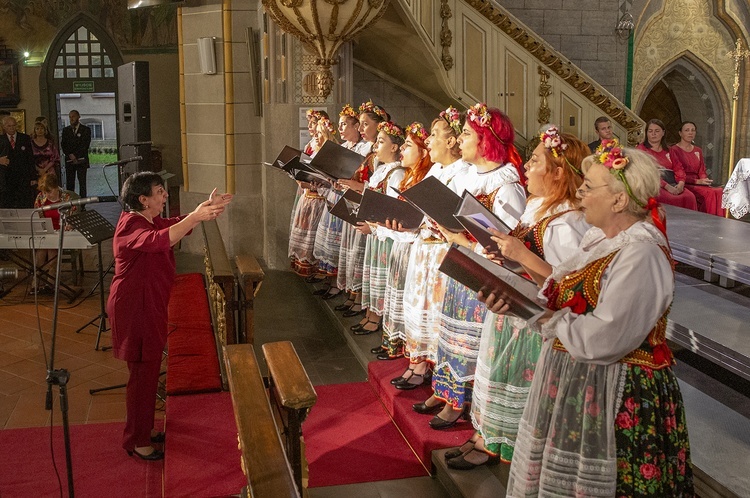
pixel 139 296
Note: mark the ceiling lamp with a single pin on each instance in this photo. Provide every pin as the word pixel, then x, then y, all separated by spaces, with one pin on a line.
pixel 323 26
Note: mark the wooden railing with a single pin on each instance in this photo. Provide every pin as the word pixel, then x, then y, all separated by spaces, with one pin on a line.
pixel 271 458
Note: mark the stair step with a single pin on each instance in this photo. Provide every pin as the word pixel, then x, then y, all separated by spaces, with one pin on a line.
pixel 481 482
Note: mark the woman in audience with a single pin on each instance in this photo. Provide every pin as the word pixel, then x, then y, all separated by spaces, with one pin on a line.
pixel 656 145
pixel 387 176
pixel 46 153
pixel 351 256
pixel 486 142
pixel 308 210
pixel 416 159
pixel 689 157
pixel 139 296
pixel 549 231
pixel 328 235
pixel 425 284
pixel 605 415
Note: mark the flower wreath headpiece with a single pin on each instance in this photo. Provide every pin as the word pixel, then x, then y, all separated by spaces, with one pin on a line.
pixel 348 110
pixel 610 154
pixel 328 125
pixel 480 115
pixel 370 107
pixel 553 142
pixel 312 114
pixel 453 118
pixel 392 129
pixel 417 129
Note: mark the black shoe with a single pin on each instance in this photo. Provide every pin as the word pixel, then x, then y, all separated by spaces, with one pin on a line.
pixel 460 462
pixel 464 448
pixel 330 295
pixel 351 312
pixel 346 306
pixel 363 331
pixel 401 378
pixel 314 279
pixel 320 292
pixel 159 438
pixel 438 423
pixel 385 356
pixel 425 409
pixel 358 326
pixel 154 455
pixel 377 350
pixel 409 384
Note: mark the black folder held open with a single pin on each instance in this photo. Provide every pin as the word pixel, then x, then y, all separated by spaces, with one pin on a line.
pixel 347 207
pixel 436 201
pixel 478 273
pixel 377 208
pixel 335 161
pixel 478 220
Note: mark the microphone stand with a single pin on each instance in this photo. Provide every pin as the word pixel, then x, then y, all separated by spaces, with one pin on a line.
pixel 60 377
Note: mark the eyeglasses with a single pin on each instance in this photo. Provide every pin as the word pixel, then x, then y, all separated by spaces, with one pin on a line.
pixel 583 190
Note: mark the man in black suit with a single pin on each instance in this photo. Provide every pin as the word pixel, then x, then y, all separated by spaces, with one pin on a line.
pixel 603 127
pixel 20 172
pixel 75 143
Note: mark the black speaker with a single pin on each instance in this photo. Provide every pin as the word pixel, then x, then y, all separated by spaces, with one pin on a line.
pixel 134 117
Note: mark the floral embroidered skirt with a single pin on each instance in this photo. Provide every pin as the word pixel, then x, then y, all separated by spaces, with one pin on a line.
pixel 458 344
pixel 423 299
pixel 328 239
pixel 375 273
pixel 302 235
pixel 601 430
pixel 393 317
pixel 508 352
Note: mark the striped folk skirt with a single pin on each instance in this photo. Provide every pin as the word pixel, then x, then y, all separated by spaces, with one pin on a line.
pixel 305 221
pixel 375 273
pixel 351 259
pixel 393 317
pixel 328 239
pixel 423 299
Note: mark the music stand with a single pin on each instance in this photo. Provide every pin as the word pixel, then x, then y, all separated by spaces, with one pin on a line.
pixel 95 229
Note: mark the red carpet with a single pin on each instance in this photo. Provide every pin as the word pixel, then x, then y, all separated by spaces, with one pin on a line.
pixel 414 426
pixel 202 458
pixel 100 466
pixel 192 363
pixel 349 438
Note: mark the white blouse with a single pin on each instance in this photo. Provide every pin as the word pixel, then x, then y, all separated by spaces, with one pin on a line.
pixel 510 199
pixel 636 289
pixel 563 234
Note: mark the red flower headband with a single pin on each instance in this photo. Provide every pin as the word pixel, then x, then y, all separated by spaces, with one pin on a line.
pixel 392 129
pixel 417 129
pixel 453 118
pixel 480 115
pixel 553 142
pixel 348 110
pixel 370 107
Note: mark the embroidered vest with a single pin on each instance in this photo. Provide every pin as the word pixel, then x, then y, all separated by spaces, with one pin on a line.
pixel 380 187
pixel 580 290
pixel 533 236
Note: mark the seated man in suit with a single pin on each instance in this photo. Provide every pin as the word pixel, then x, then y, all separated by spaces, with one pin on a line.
pixel 75 143
pixel 20 172
pixel 603 127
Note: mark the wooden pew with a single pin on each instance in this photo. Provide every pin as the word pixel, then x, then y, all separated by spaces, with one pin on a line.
pixel 293 395
pixel 264 462
pixel 250 278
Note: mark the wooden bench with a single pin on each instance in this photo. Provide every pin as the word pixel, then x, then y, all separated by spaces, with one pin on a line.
pixel 717 245
pixel 264 459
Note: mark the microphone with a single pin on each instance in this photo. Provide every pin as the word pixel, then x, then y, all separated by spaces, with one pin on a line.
pixel 77 202
pixel 137 144
pixel 125 161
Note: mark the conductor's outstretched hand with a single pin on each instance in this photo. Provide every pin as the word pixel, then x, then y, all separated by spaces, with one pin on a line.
pixel 213 207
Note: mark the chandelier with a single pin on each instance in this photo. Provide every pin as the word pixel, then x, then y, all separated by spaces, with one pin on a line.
pixel 323 26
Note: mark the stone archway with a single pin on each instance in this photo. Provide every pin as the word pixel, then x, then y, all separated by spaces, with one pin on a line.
pixel 684 91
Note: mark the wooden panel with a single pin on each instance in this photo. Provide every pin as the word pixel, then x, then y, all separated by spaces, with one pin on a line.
pixel 289 377
pixel 268 470
pixel 427 18
pixel 570 116
pixel 474 76
pixel 515 94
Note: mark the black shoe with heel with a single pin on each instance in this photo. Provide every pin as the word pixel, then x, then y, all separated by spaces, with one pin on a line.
pixel 154 455
pixel 426 409
pixel 160 437
pixel 352 312
pixel 346 306
pixel 409 383
pixel 363 331
pixel 460 462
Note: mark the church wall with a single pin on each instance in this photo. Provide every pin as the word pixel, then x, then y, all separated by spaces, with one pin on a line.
pixel 584 31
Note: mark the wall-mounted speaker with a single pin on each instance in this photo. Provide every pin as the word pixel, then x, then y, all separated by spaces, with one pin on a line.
pixel 207 55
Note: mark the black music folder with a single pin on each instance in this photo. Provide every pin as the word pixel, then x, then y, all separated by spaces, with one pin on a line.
pixel 479 273
pixel 377 208
pixel 668 176
pixel 436 201
pixel 346 209
pixel 287 154
pixel 335 161
pixel 477 219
